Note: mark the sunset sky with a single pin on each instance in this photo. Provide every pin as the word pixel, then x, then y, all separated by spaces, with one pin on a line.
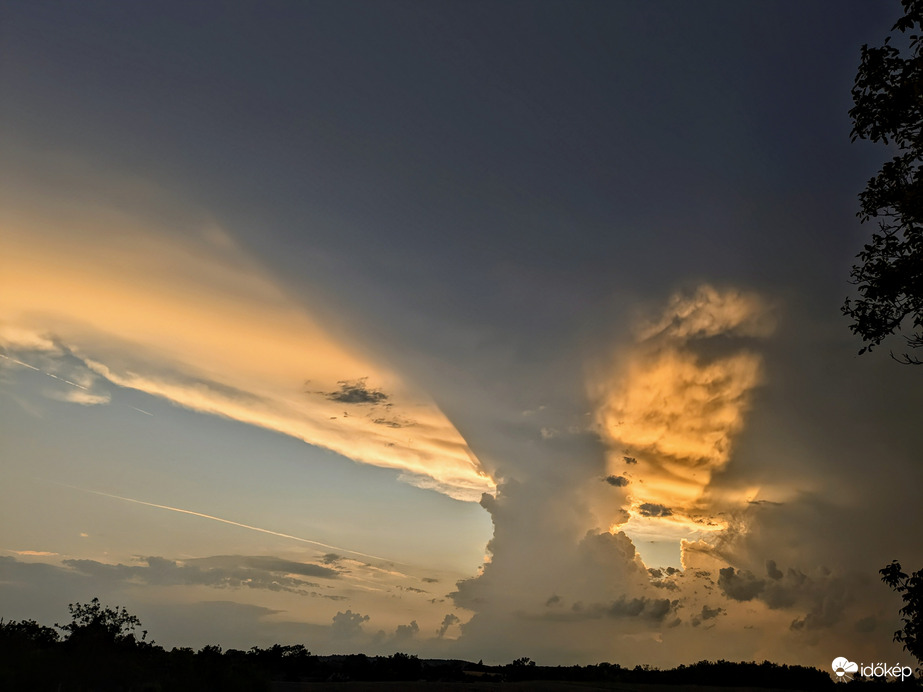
pixel 462 329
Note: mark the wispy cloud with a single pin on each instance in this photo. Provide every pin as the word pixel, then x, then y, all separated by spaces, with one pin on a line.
pixel 82 398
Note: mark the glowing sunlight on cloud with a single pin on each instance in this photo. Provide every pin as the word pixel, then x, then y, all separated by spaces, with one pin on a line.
pixel 671 406
pixel 188 316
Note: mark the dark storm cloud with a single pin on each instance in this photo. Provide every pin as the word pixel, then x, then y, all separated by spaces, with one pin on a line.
pixel 649 608
pixel 772 571
pixel 617 481
pixel 660 573
pixel 629 460
pixel 709 613
pixel 642 608
pixel 357 392
pixel 739 586
pixel 821 597
pixel 668 585
pixel 706 614
pixel 650 509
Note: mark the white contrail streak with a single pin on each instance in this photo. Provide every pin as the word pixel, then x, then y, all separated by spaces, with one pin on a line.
pixel 19 362
pixel 232 523
pixel 44 372
pixel 73 384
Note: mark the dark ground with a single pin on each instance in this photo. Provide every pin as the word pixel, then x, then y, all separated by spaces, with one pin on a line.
pixel 526 686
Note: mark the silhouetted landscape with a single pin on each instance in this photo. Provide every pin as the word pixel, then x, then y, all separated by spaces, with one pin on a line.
pixel 102 650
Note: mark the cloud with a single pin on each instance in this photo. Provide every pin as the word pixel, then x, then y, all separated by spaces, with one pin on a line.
pixel 67 377
pixel 269 564
pixel 81 397
pixel 412 589
pixel 222 571
pixel 709 312
pixel 159 310
pixel 649 509
pixel 449 620
pixel 772 571
pixel 393 422
pixel 357 392
pixel 241 625
pixel 650 608
pixel 740 586
pixel 347 625
pixel 706 614
pixel 641 607
pixel 671 404
pixel 406 632
pixel 668 409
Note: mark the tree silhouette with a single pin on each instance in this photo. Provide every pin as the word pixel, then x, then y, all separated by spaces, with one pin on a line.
pixel 910 587
pixel 96 625
pixel 888 98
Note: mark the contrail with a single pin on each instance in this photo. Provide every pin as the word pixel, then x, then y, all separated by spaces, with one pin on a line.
pixel 233 523
pixel 73 384
pixel 19 362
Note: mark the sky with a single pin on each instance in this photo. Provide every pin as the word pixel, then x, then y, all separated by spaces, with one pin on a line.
pixel 463 329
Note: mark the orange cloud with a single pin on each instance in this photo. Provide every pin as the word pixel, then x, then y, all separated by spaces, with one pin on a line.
pixel 674 411
pixel 190 317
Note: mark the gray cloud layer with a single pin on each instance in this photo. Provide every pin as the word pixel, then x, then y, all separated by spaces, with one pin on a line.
pixel 223 571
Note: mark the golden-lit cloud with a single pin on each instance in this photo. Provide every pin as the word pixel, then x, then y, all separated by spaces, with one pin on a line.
pixel 709 312
pixel 179 311
pixel 670 407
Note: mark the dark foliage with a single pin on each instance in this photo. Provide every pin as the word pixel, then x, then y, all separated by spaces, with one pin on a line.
pixel 94 626
pixel 888 97
pixel 101 653
pixel 910 587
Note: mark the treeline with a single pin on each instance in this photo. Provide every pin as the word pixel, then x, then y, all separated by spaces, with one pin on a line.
pixel 101 649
